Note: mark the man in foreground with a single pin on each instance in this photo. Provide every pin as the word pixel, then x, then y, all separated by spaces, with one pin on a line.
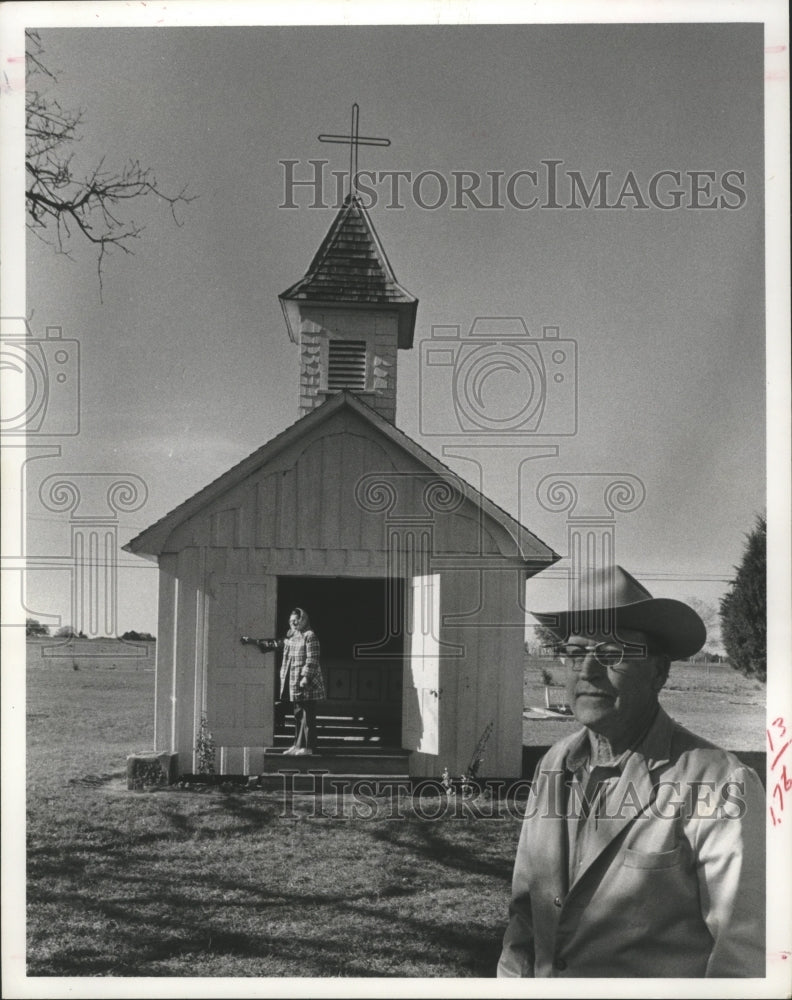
pixel 642 847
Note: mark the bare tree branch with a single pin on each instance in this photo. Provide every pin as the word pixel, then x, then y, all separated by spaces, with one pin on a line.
pixel 62 204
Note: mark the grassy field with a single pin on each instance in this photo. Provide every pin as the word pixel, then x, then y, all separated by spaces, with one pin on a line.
pixel 107 654
pixel 231 883
pixel 217 882
pixel 711 699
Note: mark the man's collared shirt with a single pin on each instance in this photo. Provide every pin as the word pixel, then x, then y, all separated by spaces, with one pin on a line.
pixel 594 794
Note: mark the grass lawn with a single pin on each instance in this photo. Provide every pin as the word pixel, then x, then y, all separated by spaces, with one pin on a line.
pixel 213 882
pixel 232 883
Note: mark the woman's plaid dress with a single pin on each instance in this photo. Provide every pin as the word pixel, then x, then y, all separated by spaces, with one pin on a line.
pixel 301 660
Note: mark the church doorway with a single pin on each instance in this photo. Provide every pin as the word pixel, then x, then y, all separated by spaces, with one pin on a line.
pixel 360 625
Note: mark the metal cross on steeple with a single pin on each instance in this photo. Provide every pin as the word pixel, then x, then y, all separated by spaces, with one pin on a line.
pixel 354 140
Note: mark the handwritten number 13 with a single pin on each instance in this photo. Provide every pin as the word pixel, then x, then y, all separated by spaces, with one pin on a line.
pixel 779 724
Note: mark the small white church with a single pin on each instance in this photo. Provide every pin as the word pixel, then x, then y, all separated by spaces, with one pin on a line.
pixel 413 580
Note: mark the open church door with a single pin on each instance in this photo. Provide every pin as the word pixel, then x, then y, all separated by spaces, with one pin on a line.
pixel 420 719
pixel 240 685
pixel 360 623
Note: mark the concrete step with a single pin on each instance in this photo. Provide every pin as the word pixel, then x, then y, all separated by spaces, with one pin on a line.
pixel 284 739
pixel 351 750
pixel 337 731
pixel 357 760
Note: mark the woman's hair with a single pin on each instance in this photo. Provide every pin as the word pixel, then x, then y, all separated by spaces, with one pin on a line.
pixel 303 623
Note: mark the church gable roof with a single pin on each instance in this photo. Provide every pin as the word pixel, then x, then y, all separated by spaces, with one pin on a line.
pixel 151 542
pixel 352 268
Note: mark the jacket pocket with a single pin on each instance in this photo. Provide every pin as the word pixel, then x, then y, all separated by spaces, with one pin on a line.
pixel 643 859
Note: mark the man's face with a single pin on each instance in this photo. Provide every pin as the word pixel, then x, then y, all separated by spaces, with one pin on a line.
pixel 613 700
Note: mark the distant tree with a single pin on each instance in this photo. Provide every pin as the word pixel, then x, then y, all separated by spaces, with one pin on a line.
pixel 63 203
pixel 710 615
pixel 707 612
pixel 69 632
pixel 743 610
pixel 34 627
pixel 545 639
pixel 133 636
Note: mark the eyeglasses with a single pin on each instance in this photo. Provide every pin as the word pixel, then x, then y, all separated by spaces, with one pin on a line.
pixel 607 654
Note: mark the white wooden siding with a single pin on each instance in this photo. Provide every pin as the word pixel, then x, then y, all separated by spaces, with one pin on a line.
pixel 299 515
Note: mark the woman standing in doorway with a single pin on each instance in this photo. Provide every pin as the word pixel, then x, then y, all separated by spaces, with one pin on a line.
pixel 301 680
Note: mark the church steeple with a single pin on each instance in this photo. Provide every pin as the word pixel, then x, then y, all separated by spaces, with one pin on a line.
pixel 350 316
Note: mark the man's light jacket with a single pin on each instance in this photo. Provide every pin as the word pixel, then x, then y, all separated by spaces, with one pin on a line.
pixel 673 880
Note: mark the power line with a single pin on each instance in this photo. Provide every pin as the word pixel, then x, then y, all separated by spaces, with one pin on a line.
pixel 562 574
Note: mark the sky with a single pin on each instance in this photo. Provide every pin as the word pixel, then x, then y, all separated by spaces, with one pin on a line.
pixel 185 363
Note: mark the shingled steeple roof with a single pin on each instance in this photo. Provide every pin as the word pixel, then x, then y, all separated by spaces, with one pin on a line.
pixel 351 268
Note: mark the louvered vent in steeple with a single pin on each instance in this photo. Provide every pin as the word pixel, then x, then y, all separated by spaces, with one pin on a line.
pixel 346 367
pixel 350 317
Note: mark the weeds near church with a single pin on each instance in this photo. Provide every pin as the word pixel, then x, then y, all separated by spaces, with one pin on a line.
pixel 147 774
pixel 478 754
pixel 465 786
pixel 205 749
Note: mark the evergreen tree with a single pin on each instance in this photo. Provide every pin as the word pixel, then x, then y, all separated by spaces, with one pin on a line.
pixel 743 609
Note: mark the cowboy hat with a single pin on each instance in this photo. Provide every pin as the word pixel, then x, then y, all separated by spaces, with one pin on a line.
pixel 612 598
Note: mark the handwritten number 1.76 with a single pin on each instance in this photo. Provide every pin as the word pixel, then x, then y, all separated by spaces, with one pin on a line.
pixel 778 747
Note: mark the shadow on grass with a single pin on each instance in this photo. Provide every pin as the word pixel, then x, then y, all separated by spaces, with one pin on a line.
pixel 96 780
pixel 154 902
pixel 320 936
pixel 434 843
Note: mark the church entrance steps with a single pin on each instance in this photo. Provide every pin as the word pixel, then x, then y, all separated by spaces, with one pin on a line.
pixel 336 731
pixel 356 761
